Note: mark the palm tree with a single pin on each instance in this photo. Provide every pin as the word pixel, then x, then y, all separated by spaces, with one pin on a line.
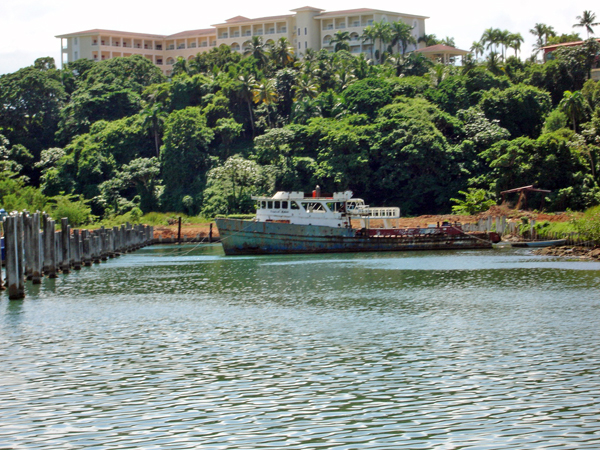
pixel 574 106
pixel 449 41
pixel 246 94
pixel 514 41
pixel 304 110
pixel 180 66
pixel 340 41
pixel 428 40
pixel 153 118
pixel 477 48
pixel 369 35
pixel 504 40
pixel 258 49
pixel 266 93
pixel 401 35
pixel 493 63
pixel 542 32
pixel 587 21
pixel 306 87
pixel 282 53
pixel 383 34
pixel 491 37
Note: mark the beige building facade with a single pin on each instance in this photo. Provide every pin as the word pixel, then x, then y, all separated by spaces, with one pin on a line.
pixel 307 28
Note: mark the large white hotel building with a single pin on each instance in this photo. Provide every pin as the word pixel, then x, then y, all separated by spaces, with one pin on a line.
pixel 306 28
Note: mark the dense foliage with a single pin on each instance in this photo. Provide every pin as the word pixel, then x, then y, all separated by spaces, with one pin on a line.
pixel 116 136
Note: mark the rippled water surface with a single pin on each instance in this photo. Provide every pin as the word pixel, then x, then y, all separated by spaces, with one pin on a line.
pixel 181 347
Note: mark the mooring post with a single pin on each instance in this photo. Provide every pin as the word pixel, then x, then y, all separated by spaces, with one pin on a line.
pixel 210 233
pixel 13 269
pixel 76 250
pixel 179 231
pixel 85 248
pixel 34 251
pixel 97 249
pixel 49 247
pixel 27 245
pixel 65 265
pixel 20 252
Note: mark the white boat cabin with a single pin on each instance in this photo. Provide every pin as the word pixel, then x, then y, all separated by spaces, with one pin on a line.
pixel 335 211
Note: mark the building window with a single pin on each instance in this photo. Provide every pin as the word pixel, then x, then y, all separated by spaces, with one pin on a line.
pixel 305 31
pixel 305 44
pixel 75 56
pixel 299 45
pixel 75 41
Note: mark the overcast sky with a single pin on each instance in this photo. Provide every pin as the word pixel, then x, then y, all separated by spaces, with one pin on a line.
pixel 28 27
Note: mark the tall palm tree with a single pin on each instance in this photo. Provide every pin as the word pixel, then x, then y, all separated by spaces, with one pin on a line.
pixel 383 34
pixel 258 49
pixel 587 21
pixel 153 118
pixel 282 53
pixel 491 37
pixel 340 40
pixel 369 36
pixel 428 40
pixel 514 41
pixel 542 32
pixel 245 93
pixel 401 35
pixel 180 66
pixel 265 92
pixel 504 40
pixel 477 48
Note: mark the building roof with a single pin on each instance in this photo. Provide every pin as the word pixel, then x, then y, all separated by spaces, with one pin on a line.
pixel 113 32
pixel 258 19
pixel 441 48
pixel 306 8
pixel 549 48
pixel 190 33
pixel 347 12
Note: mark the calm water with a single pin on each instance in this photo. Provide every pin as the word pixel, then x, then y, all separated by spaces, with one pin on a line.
pixel 184 348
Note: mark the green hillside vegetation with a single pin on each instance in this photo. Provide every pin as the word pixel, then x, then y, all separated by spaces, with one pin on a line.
pixel 116 137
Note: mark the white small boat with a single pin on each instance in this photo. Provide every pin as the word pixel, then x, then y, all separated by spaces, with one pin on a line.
pixel 553 243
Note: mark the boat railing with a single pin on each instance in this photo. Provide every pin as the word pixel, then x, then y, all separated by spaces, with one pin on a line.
pixel 366 212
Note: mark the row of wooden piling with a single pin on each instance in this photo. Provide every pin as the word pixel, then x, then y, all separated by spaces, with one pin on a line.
pixel 34 248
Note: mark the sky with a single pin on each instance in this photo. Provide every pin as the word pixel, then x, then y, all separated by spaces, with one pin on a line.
pixel 28 27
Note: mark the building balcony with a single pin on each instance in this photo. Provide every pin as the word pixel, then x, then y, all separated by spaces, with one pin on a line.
pixel 341 26
pixel 203 44
pixel 158 47
pixel 328 27
pixel 180 46
pixel 224 36
pixel 192 45
pixel 171 47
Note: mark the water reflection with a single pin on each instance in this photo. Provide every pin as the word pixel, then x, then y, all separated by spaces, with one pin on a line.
pixel 180 347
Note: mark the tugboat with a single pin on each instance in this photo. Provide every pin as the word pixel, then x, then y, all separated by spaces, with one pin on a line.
pixel 294 222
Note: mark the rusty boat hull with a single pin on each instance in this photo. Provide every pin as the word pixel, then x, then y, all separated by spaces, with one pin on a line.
pixel 246 237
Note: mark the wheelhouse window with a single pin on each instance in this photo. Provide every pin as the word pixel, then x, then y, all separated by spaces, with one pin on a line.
pixel 314 207
pixel 294 206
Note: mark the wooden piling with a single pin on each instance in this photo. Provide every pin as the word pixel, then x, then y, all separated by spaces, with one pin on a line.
pixel 35 246
pixel 65 265
pixel 13 268
pixel 49 247
pixel 76 250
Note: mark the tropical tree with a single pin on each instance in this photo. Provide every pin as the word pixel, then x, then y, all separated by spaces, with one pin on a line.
pixel 542 32
pixel 401 35
pixel 265 92
pixel 369 36
pixel 449 41
pixel 383 35
pixel 245 86
pixel 428 40
pixel 575 106
pixel 180 67
pixel 153 118
pixel 306 87
pixel 340 40
pixel 587 21
pixel 258 49
pixel 478 48
pixel 514 41
pixel 282 53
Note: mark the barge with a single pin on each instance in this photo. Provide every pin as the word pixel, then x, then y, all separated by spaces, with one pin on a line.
pixel 292 222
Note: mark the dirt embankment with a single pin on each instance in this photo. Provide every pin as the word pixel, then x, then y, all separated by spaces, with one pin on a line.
pixel 193 231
